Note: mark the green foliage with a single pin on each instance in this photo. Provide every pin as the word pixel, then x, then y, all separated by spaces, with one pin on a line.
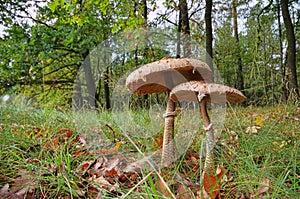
pixel 44 44
pixel 47 53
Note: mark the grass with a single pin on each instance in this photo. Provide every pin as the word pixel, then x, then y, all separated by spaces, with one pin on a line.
pixel 258 146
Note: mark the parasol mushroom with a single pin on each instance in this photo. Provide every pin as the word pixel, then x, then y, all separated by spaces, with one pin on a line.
pixel 204 93
pixel 163 76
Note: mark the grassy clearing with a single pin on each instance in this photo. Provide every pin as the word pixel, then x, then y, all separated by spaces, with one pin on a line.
pixel 45 153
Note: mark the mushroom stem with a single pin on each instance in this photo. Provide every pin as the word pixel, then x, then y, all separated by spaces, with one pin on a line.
pixel 168 148
pixel 210 140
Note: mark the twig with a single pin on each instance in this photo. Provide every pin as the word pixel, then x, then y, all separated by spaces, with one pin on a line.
pixel 113 131
pixel 138 184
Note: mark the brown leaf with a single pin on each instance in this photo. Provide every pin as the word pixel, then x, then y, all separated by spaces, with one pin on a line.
pixel 262 189
pixel 162 188
pixel 220 172
pixel 77 153
pixel 110 173
pixel 102 182
pixel 159 141
pixel 242 197
pixel 201 194
pixel 184 192
pixel 65 132
pixel 112 150
pixel 212 184
pixel 85 166
pixel 93 190
pixel 4 189
pixel 23 186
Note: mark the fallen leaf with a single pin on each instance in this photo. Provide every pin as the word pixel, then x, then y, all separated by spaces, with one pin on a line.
pixel 242 197
pixel 212 184
pixel 112 150
pixel 97 167
pixel 258 121
pixel 184 192
pixel 56 141
pixel 201 194
pixel 102 182
pixel 85 166
pixel 262 189
pixel 159 141
pixel 253 129
pixel 65 132
pixel 163 188
pixel 4 189
pixel 93 190
pixel 110 173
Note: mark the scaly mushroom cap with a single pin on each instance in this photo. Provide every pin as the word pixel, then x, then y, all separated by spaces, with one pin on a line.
pixel 165 74
pixel 217 93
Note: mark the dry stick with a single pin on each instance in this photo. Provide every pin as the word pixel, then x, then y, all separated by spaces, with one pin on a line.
pixel 210 140
pixel 138 184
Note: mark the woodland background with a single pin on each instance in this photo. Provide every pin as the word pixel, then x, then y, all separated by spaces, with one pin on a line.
pixel 254 44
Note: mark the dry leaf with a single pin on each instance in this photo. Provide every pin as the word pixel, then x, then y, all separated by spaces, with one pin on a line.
pixel 262 189
pixel 110 173
pixel 4 189
pixel 159 141
pixel 212 184
pixel 184 192
pixel 162 188
pixel 201 194
pixel 253 129
pixel 103 183
pixel 258 121
pixel 112 150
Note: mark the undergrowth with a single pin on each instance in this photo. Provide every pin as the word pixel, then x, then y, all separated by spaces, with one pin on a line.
pixel 52 154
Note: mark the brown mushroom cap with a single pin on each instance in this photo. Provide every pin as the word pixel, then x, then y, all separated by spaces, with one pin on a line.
pixel 165 74
pixel 218 93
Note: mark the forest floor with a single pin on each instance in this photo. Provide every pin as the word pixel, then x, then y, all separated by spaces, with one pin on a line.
pixel 52 154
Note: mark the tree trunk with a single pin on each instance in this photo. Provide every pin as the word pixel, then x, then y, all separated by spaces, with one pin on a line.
pixel 90 82
pixel 106 89
pixel 77 95
pixel 145 16
pixel 145 12
pixel 240 76
pixel 208 32
pixel 291 48
pixel 284 94
pixel 106 76
pixel 185 27
pixel 179 28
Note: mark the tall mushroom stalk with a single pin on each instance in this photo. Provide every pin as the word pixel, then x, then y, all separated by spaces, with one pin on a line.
pixel 168 147
pixel 163 76
pixel 204 93
pixel 210 138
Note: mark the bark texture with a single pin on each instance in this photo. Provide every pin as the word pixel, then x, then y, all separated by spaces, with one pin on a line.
pixel 208 32
pixel 239 73
pixel 291 48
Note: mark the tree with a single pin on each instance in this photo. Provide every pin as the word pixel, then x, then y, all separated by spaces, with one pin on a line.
pixel 240 75
pixel 291 47
pixel 184 27
pixel 284 95
pixel 45 51
pixel 208 32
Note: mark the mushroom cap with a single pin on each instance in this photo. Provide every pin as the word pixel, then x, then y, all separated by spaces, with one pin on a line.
pixel 165 74
pixel 217 93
